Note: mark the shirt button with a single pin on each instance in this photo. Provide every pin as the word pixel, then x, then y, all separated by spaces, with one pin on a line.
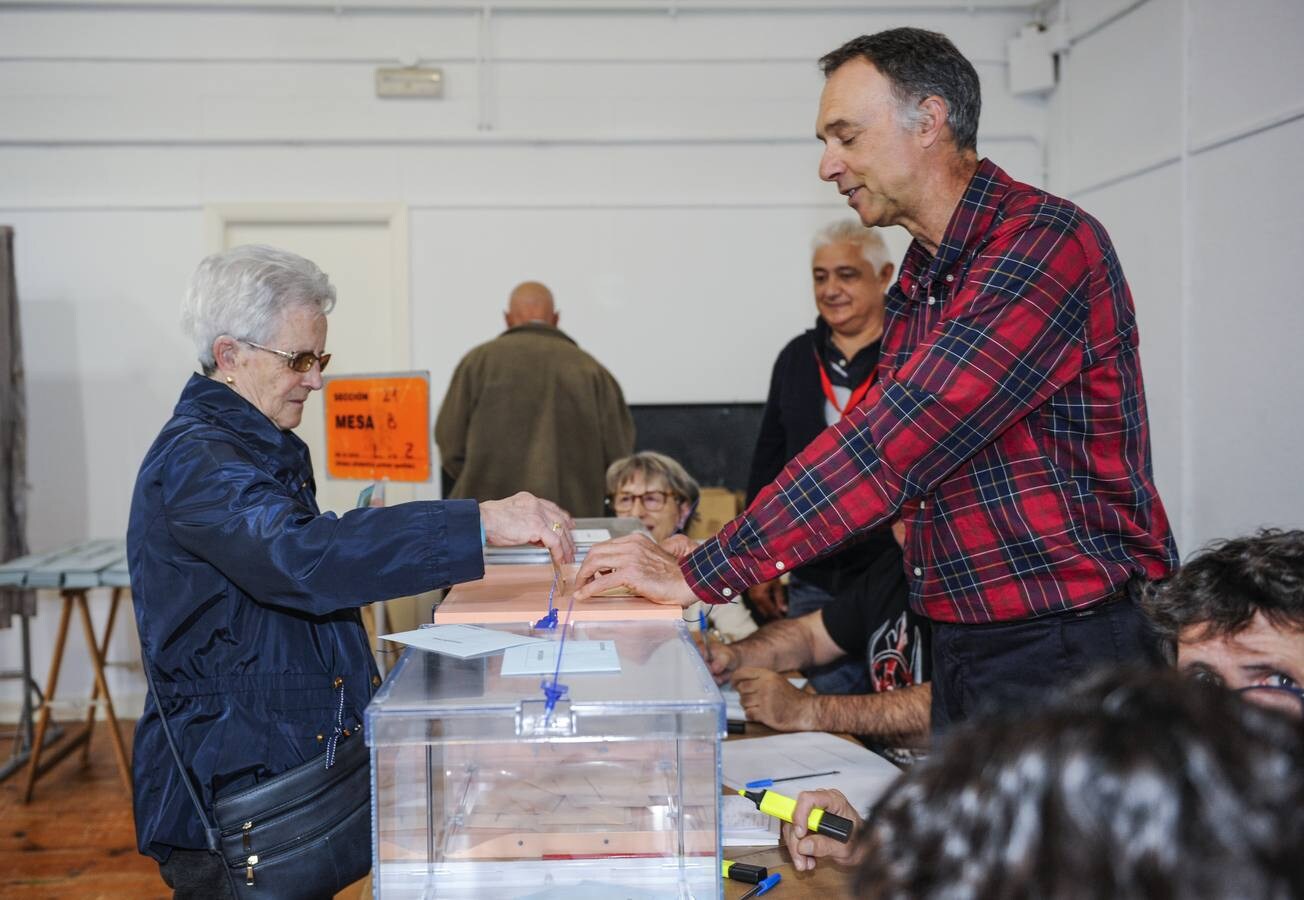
pixel 918 572
pixel 728 592
pixel 922 504
pixel 932 300
pixel 950 278
pixel 779 565
pixel 375 681
pixel 842 362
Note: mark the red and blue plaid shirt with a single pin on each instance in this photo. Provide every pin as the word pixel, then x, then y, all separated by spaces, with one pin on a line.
pixel 1008 429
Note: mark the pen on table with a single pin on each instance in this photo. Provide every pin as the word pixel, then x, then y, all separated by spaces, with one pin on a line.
pixel 766 782
pixel 744 872
pixel 818 822
pixel 764 886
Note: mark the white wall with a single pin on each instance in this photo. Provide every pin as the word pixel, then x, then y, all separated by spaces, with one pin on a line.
pixel 657 169
pixel 1180 124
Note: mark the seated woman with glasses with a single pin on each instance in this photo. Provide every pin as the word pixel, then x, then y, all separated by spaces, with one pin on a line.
pixel 246 594
pixel 659 492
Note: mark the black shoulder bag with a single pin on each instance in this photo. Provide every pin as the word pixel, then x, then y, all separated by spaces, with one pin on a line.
pixel 302 835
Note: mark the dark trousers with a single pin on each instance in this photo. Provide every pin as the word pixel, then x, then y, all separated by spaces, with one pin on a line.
pixel 1015 665
pixel 196 875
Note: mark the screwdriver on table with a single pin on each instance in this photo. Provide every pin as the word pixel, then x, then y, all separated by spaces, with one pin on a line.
pixel 764 886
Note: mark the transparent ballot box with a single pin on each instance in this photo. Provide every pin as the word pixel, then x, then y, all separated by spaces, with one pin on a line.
pixel 480 790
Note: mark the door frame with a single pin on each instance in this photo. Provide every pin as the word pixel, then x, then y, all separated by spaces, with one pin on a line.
pixel 218 216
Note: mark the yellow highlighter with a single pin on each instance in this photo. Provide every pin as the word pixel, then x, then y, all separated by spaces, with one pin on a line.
pixel 818 822
pixel 748 874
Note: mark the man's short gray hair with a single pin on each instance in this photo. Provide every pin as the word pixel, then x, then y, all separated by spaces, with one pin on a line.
pixel 872 246
pixel 245 292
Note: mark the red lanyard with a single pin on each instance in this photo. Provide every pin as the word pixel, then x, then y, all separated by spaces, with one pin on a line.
pixel 856 396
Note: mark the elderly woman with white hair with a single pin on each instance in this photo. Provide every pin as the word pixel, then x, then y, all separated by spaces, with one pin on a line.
pixel 251 773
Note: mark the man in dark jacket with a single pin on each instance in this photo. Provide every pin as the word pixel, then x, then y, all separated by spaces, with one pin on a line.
pixel 819 375
pixel 531 411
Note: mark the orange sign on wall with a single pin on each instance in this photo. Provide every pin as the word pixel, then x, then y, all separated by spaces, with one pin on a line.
pixel 378 427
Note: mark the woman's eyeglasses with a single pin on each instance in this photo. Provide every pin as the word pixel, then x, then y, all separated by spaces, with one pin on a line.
pixel 300 362
pixel 653 501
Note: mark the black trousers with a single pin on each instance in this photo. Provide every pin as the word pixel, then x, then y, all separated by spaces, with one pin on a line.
pixel 1014 665
pixel 196 875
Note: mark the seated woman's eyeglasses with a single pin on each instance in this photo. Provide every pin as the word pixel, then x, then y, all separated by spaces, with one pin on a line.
pixel 651 500
pixel 300 362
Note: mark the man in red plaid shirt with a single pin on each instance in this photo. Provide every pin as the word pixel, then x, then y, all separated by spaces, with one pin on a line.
pixel 1008 427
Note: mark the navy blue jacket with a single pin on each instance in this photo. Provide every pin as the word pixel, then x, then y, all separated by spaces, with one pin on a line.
pixel 246 602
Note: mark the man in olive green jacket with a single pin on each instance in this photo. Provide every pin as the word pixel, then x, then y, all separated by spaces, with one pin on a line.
pixel 531 411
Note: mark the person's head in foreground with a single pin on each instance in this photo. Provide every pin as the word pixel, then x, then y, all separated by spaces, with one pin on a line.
pixel 257 316
pixel 1235 615
pixel 1140 784
pixel 654 489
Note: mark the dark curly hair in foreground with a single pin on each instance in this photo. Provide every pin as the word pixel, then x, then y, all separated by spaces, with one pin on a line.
pixel 1222 587
pixel 1142 784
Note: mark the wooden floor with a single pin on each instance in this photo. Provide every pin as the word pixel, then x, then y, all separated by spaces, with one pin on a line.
pixel 76 838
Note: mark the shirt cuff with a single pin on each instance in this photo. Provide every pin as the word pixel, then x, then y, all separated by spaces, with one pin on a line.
pixel 465 553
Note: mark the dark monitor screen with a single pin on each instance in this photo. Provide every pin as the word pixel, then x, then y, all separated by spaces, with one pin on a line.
pixel 713 441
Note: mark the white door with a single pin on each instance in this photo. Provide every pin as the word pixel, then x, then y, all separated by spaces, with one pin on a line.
pixel 363 249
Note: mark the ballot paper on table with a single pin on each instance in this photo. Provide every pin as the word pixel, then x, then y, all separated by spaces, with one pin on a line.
pixel 578 657
pixel 462 641
pixel 862 775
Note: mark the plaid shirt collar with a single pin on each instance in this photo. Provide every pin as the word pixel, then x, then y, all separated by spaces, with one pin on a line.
pixel 970 223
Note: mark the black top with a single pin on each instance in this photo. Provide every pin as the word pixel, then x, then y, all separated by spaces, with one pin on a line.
pixel 794 415
pixel 870 618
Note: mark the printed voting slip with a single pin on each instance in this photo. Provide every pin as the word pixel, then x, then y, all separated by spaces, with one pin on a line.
pixel 462 641
pixel 743 825
pixel 578 657
pixel 590 535
pixel 860 773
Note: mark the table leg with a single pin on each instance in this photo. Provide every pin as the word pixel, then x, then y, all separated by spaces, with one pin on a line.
pixel 95 687
pixel 97 662
pixel 43 719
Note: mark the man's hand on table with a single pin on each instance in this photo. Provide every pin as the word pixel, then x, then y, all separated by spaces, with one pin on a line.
pixel 526 519
pixel 637 563
pixel 769 698
pixel 721 659
pixel 805 848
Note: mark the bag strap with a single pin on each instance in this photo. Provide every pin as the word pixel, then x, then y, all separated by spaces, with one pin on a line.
pixel 212 834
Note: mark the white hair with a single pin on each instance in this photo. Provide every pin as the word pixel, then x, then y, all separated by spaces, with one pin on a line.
pixel 872 246
pixel 245 292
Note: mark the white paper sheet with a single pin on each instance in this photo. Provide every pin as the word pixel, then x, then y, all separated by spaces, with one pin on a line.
pixel 743 825
pixel 862 775
pixel 590 535
pixel 462 641
pixel 578 657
